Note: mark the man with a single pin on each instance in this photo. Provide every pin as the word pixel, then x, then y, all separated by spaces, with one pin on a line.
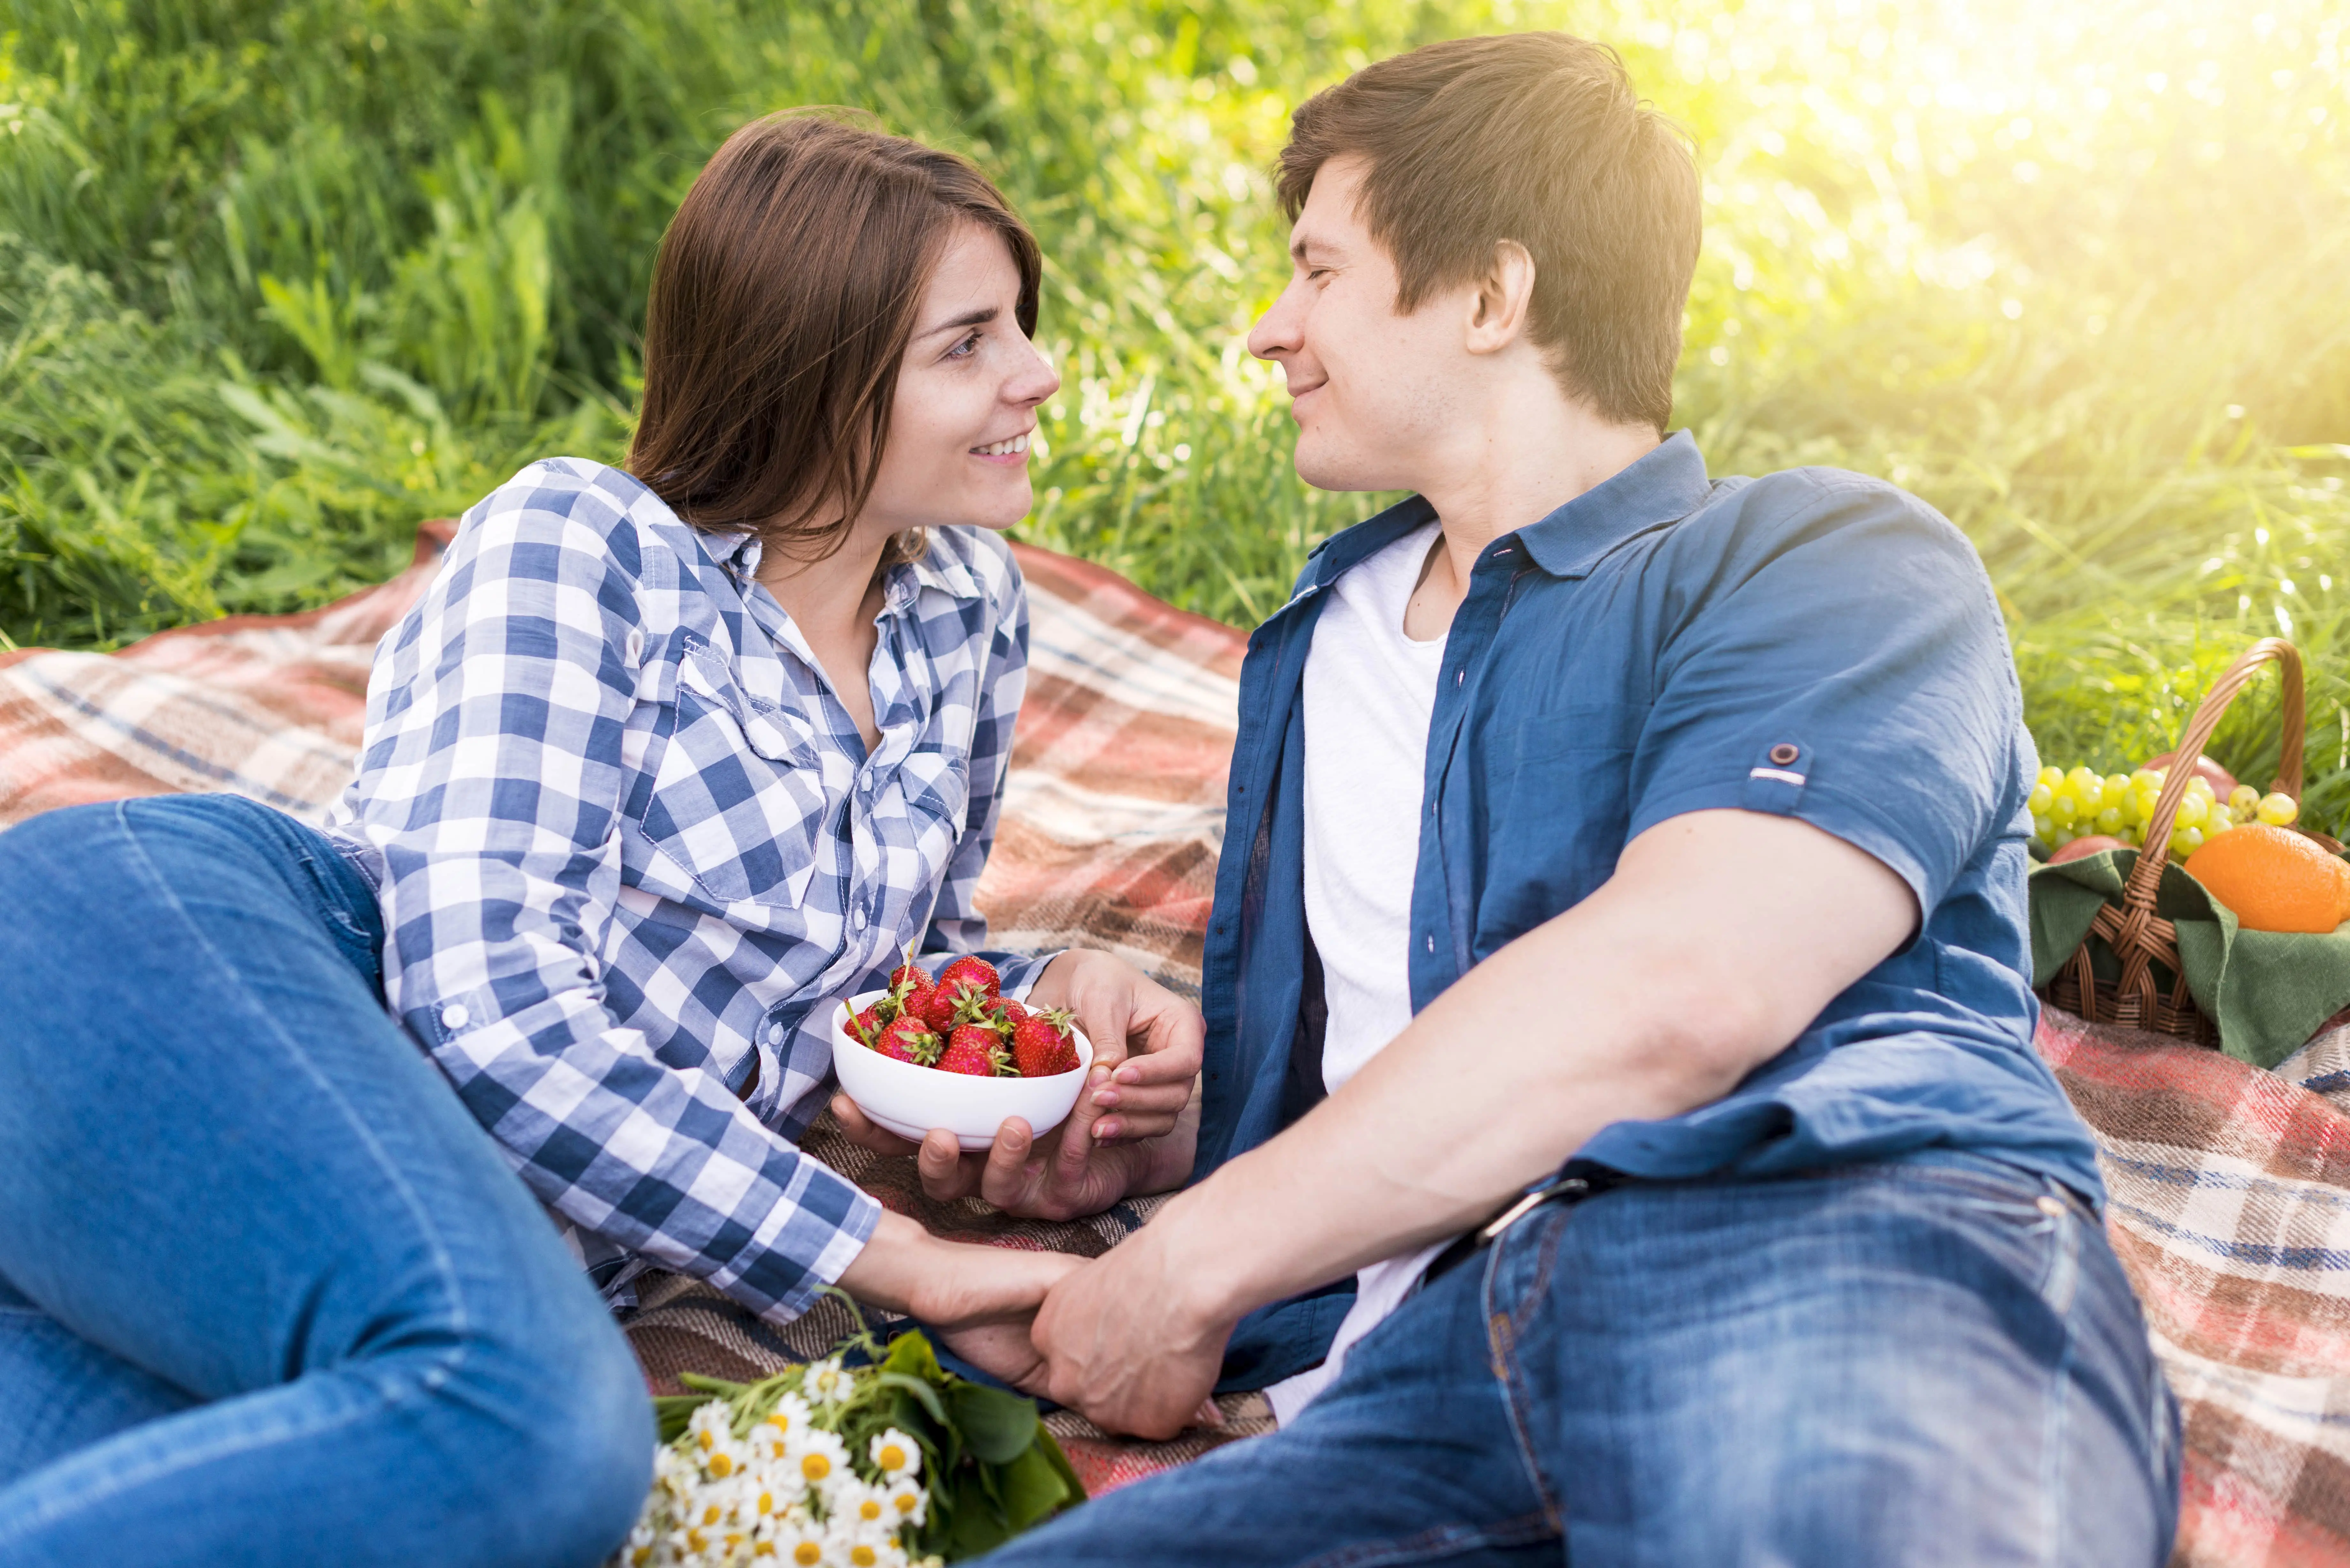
pixel 1619 959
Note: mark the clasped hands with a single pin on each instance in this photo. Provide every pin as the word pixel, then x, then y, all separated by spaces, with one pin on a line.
pixel 1114 1339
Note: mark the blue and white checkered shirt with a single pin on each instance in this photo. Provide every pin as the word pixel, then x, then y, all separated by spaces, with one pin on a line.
pixel 629 845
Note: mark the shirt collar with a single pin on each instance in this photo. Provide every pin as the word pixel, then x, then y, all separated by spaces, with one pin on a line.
pixel 1349 547
pixel 939 568
pixel 934 568
pixel 1664 486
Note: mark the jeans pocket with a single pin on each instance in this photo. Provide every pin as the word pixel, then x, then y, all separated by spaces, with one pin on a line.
pixel 359 945
pixel 2031 1223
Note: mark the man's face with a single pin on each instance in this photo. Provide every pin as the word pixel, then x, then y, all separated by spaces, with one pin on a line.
pixel 1371 391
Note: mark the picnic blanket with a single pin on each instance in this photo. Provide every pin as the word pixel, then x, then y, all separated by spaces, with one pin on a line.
pixel 2230 1186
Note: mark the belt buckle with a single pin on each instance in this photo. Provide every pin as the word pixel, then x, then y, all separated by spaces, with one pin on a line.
pixel 1557 1187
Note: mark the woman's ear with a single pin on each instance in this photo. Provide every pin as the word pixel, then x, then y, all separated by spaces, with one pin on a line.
pixel 1499 303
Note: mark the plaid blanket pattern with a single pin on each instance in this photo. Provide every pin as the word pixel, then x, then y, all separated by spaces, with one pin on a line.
pixel 2230 1186
pixel 2230 1205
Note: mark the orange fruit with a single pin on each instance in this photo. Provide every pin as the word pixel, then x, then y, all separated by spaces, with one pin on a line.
pixel 2275 879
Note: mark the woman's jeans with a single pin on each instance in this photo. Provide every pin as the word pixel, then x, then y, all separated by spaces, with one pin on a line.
pixel 1908 1364
pixel 268 1294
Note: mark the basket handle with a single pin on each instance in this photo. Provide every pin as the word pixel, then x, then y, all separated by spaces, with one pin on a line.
pixel 2146 875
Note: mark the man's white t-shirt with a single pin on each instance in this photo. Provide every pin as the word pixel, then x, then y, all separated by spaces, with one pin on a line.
pixel 1369 693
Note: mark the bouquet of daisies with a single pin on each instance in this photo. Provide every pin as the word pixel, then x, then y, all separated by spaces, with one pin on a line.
pixel 886 1464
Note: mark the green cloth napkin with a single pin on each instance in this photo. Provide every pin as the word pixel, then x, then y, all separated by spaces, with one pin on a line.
pixel 2268 991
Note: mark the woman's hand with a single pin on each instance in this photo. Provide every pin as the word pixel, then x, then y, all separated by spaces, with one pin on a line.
pixel 1151 1039
pixel 979 1299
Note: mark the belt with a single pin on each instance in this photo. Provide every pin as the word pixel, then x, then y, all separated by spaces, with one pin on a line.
pixel 1557 1189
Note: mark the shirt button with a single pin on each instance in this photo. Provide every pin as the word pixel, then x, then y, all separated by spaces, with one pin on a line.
pixel 1432 944
pixel 1459 675
pixel 775 1033
pixel 1782 753
pixel 858 919
pixel 456 1015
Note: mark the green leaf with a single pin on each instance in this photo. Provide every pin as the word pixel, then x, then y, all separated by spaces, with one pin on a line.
pixel 922 1393
pixel 1033 1488
pixel 996 1426
pixel 1051 1448
pixel 911 1354
pixel 977 1525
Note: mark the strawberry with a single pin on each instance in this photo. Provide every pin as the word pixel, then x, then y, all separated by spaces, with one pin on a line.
pixel 911 984
pixel 1042 1045
pixel 908 1040
pixel 1007 1016
pixel 975 1050
pixel 970 970
pixel 949 1005
pixel 865 1027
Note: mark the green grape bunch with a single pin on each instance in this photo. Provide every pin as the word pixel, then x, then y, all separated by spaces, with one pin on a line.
pixel 2070 805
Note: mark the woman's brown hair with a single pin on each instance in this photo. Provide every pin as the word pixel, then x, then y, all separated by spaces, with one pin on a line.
pixel 783 300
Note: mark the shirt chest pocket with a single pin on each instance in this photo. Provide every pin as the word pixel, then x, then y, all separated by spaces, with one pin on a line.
pixel 932 798
pixel 1558 782
pixel 731 792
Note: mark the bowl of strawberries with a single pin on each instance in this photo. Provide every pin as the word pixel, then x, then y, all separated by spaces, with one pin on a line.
pixel 954 1052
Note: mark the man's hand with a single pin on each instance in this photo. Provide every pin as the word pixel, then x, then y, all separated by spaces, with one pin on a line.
pixel 1060 1176
pixel 979 1299
pixel 1131 1345
pixel 1132 1129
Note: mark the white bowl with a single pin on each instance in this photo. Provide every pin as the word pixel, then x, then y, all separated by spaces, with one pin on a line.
pixel 910 1100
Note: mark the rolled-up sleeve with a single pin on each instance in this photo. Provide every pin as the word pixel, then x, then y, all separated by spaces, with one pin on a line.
pixel 1850 670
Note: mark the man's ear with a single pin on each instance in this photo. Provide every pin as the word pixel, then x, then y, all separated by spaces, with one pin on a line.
pixel 1500 300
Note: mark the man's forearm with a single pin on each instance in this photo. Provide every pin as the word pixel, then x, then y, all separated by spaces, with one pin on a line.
pixel 1642 1003
pixel 1447 1123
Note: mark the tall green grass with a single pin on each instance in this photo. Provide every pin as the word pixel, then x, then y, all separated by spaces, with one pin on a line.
pixel 276 281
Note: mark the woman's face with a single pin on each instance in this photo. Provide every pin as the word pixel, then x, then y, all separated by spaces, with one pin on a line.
pixel 967 395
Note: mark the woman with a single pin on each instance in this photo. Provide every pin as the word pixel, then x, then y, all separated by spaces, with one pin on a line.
pixel 665 762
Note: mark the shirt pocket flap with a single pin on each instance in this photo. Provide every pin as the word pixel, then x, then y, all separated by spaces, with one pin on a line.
pixel 778 734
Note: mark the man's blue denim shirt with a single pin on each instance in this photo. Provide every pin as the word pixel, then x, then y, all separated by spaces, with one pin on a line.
pixel 1813 644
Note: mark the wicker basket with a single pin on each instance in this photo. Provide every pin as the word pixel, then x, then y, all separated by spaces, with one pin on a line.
pixel 2138 936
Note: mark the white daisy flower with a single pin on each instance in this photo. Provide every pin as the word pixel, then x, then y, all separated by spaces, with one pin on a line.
pixel 806 1544
pixel 708 1511
pixel 865 1549
pixel 787 1421
pixel 768 1492
pixel 908 1503
pixel 895 1454
pixel 821 1458
pixel 715 1449
pixel 826 1381
pixel 864 1507
pixel 674 1475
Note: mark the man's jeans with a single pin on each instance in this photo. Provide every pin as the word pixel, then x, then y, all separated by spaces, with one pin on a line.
pixel 268 1294
pixel 1891 1365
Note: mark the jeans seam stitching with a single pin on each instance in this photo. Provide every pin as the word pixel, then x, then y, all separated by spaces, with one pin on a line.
pixel 1501 1326
pixel 2052 1464
pixel 114 1484
pixel 363 1134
